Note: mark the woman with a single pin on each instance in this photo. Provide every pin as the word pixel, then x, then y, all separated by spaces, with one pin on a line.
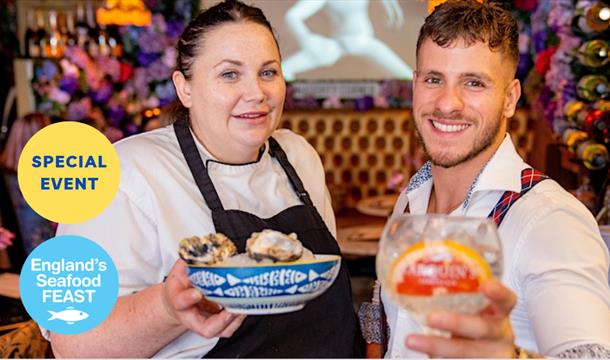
pixel 33 228
pixel 222 167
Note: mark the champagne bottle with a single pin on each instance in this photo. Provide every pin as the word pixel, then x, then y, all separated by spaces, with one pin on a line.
pixel 594 53
pixel 593 87
pixel 593 155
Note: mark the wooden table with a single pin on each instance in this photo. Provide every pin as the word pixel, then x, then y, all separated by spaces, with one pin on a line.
pixel 381 205
pixel 358 234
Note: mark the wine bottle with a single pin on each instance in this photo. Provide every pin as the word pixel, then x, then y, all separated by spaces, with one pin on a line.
pixel 116 47
pixel 41 34
pixel 572 137
pixel 82 29
pixel 54 47
pixel 598 17
pixel 92 45
pixel 597 124
pixel 593 155
pixel 571 110
pixel 592 18
pixel 593 87
pixel 103 41
pixel 594 53
pixel 30 41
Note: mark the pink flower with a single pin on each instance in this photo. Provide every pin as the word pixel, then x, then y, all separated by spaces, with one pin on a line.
pixel 109 65
pixel 59 96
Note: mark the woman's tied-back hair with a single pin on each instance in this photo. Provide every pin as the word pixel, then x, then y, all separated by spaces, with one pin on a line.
pixel 473 22
pixel 192 40
pixel 22 130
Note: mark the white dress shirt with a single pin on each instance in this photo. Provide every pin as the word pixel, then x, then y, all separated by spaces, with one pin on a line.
pixel 554 259
pixel 158 204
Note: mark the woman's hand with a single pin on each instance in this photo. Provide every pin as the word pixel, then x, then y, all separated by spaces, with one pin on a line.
pixel 6 238
pixel 487 334
pixel 187 306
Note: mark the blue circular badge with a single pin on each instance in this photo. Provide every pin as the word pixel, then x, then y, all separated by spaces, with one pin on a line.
pixel 69 284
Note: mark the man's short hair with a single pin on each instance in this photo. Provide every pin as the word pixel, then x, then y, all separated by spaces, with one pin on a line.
pixel 473 22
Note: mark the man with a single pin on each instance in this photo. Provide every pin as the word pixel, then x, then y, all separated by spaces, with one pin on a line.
pixel 556 263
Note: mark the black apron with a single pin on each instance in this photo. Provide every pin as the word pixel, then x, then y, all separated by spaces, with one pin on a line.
pixel 327 326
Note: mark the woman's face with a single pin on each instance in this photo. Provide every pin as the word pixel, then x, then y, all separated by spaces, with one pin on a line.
pixel 236 93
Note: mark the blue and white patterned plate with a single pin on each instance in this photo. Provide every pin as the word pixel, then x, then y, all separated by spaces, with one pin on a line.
pixel 266 289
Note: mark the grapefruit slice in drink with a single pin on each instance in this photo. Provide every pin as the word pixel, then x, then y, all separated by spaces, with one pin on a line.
pixel 438 268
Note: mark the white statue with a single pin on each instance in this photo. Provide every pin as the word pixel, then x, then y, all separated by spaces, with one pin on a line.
pixel 353 35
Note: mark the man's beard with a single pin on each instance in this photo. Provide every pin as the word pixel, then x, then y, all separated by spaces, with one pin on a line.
pixel 481 143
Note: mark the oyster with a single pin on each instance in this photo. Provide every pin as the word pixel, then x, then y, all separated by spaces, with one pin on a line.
pixel 208 249
pixel 274 245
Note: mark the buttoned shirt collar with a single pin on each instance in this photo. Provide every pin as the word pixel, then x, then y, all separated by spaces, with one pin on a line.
pixel 493 177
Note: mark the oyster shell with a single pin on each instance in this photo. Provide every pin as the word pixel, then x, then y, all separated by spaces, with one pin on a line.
pixel 274 245
pixel 206 250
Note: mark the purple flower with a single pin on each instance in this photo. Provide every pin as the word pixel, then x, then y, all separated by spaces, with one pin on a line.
pixel 115 114
pixel 549 113
pixel 525 64
pixel 539 39
pixel 48 70
pixel 78 110
pixel 150 42
pixel 158 22
pixel 364 103
pixel 110 66
pixel 146 59
pixel 69 84
pixel 165 91
pixel 174 29
pixel 102 94
pixel 183 7
pixel 78 56
pixel 140 83
pixel 159 71
pixel 131 129
pixel 59 96
pixel 113 134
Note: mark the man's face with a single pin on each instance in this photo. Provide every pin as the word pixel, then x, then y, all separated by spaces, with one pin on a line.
pixel 462 97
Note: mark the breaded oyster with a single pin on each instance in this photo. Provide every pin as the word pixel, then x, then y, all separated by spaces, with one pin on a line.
pixel 274 245
pixel 206 250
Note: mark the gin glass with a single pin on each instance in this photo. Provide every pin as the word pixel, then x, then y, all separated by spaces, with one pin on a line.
pixel 432 263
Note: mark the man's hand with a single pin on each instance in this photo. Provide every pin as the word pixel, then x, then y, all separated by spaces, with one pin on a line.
pixel 487 334
pixel 187 306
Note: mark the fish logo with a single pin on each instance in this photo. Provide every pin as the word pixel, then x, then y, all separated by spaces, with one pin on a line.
pixel 70 315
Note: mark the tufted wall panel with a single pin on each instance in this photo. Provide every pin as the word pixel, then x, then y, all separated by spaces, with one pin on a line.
pixel 361 150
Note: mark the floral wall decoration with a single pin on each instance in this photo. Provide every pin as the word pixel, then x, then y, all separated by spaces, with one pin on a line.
pixel 110 92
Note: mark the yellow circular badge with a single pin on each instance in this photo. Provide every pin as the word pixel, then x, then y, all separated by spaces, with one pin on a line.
pixel 68 172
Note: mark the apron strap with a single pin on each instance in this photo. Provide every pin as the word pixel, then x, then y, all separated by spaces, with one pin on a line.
pixel 195 164
pixel 529 178
pixel 277 152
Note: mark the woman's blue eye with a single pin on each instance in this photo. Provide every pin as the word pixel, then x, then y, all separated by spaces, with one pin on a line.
pixel 269 73
pixel 230 75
